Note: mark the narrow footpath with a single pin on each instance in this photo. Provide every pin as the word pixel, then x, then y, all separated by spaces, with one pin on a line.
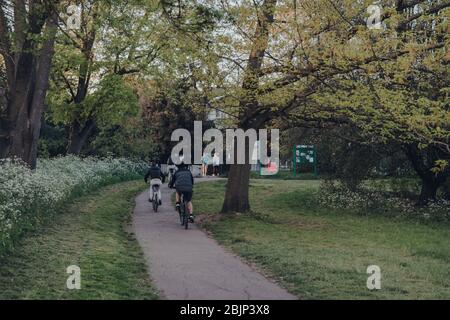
pixel 189 265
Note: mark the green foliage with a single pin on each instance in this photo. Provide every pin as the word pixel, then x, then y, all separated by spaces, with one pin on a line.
pixel 324 65
pixel 168 105
pixel 110 104
pixel 440 166
pixel 133 138
pixel 190 16
pixel 53 140
pixel 113 102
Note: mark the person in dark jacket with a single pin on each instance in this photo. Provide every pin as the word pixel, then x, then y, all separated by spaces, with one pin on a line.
pixel 183 182
pixel 156 179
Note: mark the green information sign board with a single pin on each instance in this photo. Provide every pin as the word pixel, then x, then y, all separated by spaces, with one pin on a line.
pixel 304 155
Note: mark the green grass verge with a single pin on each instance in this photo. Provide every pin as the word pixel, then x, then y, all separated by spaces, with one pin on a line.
pixel 321 253
pixel 88 233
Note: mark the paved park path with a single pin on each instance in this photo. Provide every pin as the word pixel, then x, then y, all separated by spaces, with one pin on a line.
pixel 188 265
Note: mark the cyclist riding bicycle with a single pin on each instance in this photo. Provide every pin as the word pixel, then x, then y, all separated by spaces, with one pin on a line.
pixel 183 181
pixel 156 179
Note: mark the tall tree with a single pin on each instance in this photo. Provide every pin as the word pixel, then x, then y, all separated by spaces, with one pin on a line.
pixel 115 39
pixel 404 101
pixel 27 34
pixel 236 195
pixel 287 58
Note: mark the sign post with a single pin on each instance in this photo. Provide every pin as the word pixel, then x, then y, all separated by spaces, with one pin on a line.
pixel 303 155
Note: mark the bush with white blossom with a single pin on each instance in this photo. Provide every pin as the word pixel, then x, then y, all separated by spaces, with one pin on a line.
pixel 28 197
pixel 367 200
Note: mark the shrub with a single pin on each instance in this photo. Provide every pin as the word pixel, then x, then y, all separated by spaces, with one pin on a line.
pixel 28 198
pixel 372 201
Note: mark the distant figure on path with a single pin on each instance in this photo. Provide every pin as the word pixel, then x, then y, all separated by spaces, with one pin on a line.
pixel 171 168
pixel 216 164
pixel 205 162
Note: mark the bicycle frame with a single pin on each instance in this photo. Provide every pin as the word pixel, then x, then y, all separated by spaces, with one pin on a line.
pixel 155 189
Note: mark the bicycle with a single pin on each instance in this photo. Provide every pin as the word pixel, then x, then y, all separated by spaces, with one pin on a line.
pixel 170 174
pixel 182 210
pixel 155 197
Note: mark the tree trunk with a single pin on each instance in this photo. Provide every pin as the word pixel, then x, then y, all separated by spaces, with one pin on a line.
pixel 423 160
pixel 236 195
pixel 78 136
pixel 21 123
pixel 428 191
pixel 75 142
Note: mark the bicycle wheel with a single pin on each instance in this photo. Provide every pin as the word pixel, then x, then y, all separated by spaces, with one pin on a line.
pixel 155 203
pixel 185 216
pixel 181 213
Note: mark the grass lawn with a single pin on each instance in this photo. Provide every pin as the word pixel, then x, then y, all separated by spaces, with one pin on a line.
pixel 319 253
pixel 90 234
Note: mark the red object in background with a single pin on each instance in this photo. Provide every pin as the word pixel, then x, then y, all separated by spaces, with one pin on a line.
pixel 272 167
